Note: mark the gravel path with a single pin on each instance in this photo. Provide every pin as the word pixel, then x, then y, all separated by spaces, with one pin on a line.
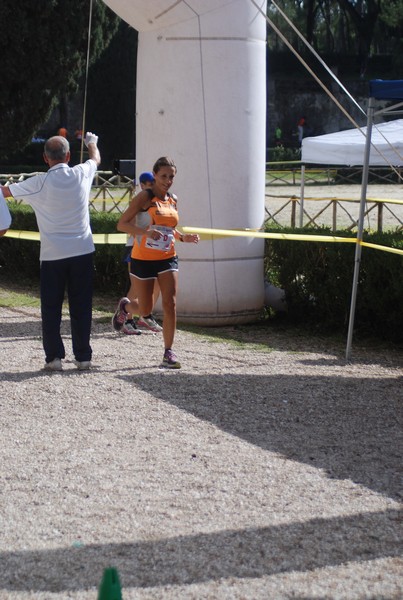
pixel 317 204
pixel 266 468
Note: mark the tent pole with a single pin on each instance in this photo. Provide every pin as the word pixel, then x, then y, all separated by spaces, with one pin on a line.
pixel 358 247
pixel 302 195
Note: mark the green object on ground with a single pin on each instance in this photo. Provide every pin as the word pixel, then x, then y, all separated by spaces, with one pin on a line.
pixel 110 585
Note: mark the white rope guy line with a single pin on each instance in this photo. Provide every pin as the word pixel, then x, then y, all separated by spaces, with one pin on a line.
pixel 319 58
pixel 307 67
pixel 322 62
pixel 86 83
pixel 323 86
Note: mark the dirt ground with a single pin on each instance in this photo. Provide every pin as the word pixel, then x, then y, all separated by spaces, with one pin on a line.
pixel 266 468
pixel 317 204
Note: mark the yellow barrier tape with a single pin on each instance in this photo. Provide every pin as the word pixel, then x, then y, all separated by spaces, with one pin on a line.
pixel 385 248
pixel 206 233
pixel 263 234
pixel 109 238
pixel 99 238
pixel 337 199
pixel 24 235
pixel 386 200
pixel 284 162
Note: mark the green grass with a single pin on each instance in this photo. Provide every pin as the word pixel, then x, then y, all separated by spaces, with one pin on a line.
pixel 268 334
pixel 18 298
pixel 239 336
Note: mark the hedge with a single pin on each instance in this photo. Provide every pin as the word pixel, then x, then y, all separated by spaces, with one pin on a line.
pixel 316 276
pixel 20 258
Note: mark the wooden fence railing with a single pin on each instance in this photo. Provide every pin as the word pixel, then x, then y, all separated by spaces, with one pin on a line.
pixel 111 192
pixel 333 212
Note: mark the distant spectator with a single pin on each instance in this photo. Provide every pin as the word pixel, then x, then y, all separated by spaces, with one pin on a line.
pixel 301 126
pixel 62 131
pixel 278 136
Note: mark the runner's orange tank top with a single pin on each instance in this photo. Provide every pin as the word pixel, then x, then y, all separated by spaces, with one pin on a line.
pixel 164 215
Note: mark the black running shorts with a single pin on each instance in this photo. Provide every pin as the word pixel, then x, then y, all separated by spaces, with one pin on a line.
pixel 150 269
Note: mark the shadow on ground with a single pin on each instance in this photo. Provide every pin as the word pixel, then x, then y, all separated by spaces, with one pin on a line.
pixel 341 425
pixel 346 426
pixel 203 558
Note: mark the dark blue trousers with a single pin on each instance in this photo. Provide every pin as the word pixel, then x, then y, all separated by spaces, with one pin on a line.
pixel 75 274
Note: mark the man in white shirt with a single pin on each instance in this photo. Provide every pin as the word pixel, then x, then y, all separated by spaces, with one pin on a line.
pixel 60 201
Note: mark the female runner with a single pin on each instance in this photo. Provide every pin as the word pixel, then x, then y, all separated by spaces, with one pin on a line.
pixel 152 218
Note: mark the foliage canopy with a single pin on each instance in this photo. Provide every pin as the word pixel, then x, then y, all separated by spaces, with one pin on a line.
pixel 43 49
pixel 361 28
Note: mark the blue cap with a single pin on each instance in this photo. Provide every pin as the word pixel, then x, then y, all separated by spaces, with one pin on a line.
pixel 146 177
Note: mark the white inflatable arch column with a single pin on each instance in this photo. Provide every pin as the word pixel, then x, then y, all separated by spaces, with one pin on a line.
pixel 201 99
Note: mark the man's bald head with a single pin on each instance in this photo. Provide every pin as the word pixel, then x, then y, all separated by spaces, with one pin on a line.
pixel 57 149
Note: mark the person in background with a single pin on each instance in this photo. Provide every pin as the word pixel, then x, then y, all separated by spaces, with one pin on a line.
pixel 278 136
pixel 134 326
pixel 62 131
pixel 5 217
pixel 60 201
pixel 152 218
pixel 300 129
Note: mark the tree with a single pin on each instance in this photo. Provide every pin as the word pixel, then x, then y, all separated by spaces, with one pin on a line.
pixel 344 29
pixel 364 15
pixel 43 49
pixel 392 18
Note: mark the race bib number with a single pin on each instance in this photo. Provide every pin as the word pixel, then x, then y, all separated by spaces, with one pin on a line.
pixel 165 241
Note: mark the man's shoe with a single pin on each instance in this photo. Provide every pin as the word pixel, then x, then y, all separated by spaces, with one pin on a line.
pixel 54 365
pixel 149 323
pixel 83 365
pixel 120 316
pixel 130 328
pixel 170 360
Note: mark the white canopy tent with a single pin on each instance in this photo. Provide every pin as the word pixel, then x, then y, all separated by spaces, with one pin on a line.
pixel 379 90
pixel 347 147
pixel 378 145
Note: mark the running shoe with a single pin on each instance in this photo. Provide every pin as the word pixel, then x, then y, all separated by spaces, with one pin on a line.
pixel 170 360
pixel 149 323
pixel 130 328
pixel 54 365
pixel 83 365
pixel 120 316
